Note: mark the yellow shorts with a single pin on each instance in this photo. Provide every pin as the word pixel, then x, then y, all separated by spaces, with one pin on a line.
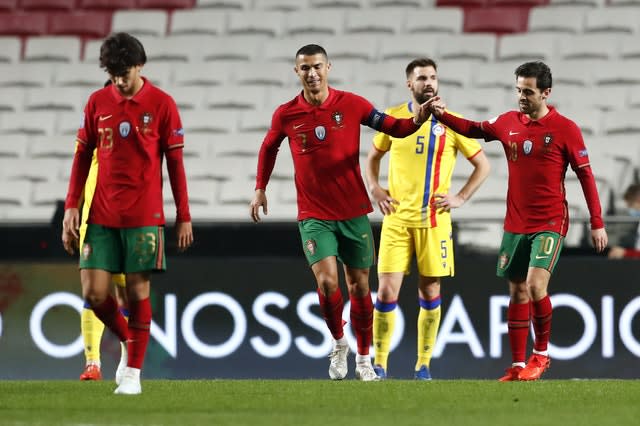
pixel 433 248
pixel 117 279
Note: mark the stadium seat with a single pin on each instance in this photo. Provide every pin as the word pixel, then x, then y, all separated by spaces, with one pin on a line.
pixel 140 22
pixel 463 3
pixel 55 99
pixel 579 3
pixel 52 49
pixel 255 121
pixel 499 20
pixel 269 24
pixel 48 193
pixel 193 21
pixel 566 97
pixel 405 48
pixel 48 5
pixel 374 22
pixel 337 4
pixel 233 48
pixel 106 4
pixel 448 20
pixel 630 47
pixel 397 4
pixel 32 170
pixel 169 49
pixel 53 147
pixel 284 49
pixel 634 97
pixel 279 95
pixel 624 73
pixel 10 49
pixel 281 5
pixel 93 24
pixel 212 73
pixel 454 73
pixel 616 20
pixel 9 5
pixel 484 102
pixel 243 144
pixel 201 121
pixel 224 4
pixel 199 146
pixel 25 75
pixel 11 99
pixel 351 47
pixel 68 124
pixel 11 147
pixel 588 119
pixel 165 4
pixel 622 123
pixel 319 23
pixel 575 73
pixel 497 74
pixel 88 76
pixel 28 123
pixel 557 20
pixel 518 3
pixel 476 47
pixel 23 23
pixel 16 194
pixel 538 47
pixel 240 97
pixel 188 98
pixel 259 73
pixel 238 191
pixel 589 46
pixel 389 73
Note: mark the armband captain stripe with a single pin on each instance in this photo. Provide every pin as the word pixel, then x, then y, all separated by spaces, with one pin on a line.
pixel 376 118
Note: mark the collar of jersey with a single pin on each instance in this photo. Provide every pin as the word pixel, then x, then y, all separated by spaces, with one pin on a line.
pixel 306 106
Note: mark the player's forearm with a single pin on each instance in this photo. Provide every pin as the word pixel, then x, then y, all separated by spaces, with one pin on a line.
pixel 480 173
pixel 398 127
pixel 372 171
pixel 468 128
pixel 266 163
pixel 79 172
pixel 590 191
pixel 178 180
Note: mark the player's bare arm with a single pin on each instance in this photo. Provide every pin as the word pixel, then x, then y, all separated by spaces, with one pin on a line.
pixel 481 170
pixel 422 114
pixel 259 200
pixel 70 230
pixel 184 232
pixel 599 239
pixel 380 195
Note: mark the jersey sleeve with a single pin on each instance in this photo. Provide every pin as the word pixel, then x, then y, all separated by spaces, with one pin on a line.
pixel 382 141
pixel 269 150
pixel 467 146
pixel 172 132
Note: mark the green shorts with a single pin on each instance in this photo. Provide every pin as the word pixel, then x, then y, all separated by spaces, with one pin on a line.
pixel 351 241
pixel 123 249
pixel 520 251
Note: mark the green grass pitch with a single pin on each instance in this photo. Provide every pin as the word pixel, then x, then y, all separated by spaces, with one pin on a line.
pixel 323 402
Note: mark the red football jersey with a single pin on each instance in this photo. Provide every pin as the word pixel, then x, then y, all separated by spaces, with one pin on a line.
pixel 538 154
pixel 325 145
pixel 131 136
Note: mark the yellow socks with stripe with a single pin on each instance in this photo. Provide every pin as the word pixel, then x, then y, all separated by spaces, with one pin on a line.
pixel 92 329
pixel 428 323
pixel 384 322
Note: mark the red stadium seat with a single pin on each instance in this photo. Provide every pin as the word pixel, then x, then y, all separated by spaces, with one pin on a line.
pixel 106 4
pixel 165 4
pixel 8 5
pixel 20 23
pixel 93 24
pixel 47 4
pixel 499 20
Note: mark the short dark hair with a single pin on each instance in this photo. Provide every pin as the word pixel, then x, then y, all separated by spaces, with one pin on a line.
pixel 536 69
pixel 312 49
pixel 121 51
pixel 420 62
pixel 632 193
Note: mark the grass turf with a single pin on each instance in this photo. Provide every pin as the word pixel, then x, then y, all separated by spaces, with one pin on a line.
pixel 323 402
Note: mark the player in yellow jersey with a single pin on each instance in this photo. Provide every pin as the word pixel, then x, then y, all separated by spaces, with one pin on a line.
pixel 417 218
pixel 90 326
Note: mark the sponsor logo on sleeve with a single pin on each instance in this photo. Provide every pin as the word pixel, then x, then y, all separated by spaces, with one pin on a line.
pixel 583 153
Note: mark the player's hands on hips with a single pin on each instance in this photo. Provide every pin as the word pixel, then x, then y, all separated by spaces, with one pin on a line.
pixel 447 202
pixel 71 230
pixel 385 202
pixel 436 105
pixel 184 232
pixel 259 200
pixel 599 239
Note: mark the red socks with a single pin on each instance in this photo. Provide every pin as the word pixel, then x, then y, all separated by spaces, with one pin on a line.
pixel 541 316
pixel 110 315
pixel 362 321
pixel 331 307
pixel 518 324
pixel 139 331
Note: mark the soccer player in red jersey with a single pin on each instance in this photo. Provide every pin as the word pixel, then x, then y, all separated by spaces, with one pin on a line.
pixel 323 128
pixel 133 125
pixel 539 144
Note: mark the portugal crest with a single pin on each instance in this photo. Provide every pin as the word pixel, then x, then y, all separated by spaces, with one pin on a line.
pixel 337 118
pixel 311 246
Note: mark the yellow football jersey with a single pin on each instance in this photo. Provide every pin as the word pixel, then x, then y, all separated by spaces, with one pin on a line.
pixel 421 165
pixel 89 190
